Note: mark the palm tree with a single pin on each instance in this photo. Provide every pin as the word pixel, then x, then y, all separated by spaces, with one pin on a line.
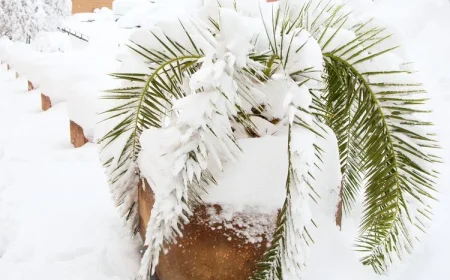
pixel 385 148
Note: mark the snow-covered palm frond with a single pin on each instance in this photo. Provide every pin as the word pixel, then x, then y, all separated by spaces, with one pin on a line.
pixel 288 46
pixel 142 103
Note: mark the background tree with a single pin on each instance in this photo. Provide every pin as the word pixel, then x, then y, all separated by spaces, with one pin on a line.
pixel 21 20
pixel 57 11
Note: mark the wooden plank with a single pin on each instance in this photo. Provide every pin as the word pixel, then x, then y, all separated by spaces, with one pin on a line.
pixel 46 103
pixel 77 137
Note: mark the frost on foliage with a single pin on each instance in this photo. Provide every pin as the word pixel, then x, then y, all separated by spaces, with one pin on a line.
pixel 56 11
pixel 300 217
pixel 201 122
pixel 287 257
pixel 21 20
pixel 123 179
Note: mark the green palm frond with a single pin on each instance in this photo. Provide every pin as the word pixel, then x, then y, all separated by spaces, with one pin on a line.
pixel 144 104
pixel 383 147
pixel 392 149
pixel 340 118
pixel 381 139
pixel 147 103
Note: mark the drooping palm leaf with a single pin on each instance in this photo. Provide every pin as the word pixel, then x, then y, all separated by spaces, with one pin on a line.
pixel 380 137
pixel 142 104
pixel 340 118
pixel 394 160
pixel 381 142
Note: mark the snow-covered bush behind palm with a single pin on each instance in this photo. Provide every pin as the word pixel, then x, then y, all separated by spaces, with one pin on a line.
pixel 21 20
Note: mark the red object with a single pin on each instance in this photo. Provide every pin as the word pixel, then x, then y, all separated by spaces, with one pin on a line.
pixel 268 1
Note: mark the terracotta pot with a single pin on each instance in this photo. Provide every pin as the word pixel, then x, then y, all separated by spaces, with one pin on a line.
pixel 205 252
pixel 77 137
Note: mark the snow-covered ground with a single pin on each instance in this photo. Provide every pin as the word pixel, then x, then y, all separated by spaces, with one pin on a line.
pixel 57 220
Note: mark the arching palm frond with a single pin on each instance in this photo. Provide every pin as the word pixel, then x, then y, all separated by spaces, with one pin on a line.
pixel 385 146
pixel 385 149
pixel 143 104
pixel 382 142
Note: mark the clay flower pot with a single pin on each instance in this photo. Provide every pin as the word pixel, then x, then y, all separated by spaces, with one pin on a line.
pixel 205 251
pixel 225 240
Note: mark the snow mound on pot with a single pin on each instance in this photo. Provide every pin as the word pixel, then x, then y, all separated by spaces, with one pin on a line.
pixel 248 224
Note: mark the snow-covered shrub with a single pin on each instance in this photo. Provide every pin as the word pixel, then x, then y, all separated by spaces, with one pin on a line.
pixel 121 7
pixel 13 19
pixel 51 42
pixel 56 11
pixel 195 88
pixel 21 20
pixel 59 8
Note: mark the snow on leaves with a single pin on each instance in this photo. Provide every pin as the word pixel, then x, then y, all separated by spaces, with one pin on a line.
pixel 288 68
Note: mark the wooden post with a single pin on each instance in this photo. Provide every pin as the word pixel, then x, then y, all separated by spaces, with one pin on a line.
pixel 46 103
pixel 77 137
pixel 30 86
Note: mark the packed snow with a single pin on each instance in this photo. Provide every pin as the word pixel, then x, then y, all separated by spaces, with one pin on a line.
pixel 122 7
pixel 57 220
pixel 55 60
